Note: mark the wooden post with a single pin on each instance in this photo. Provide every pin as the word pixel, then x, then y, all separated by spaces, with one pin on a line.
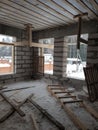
pixel 29 33
pixel 79 33
pixel 79 39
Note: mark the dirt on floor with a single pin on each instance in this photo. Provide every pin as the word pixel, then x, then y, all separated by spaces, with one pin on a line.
pixel 49 103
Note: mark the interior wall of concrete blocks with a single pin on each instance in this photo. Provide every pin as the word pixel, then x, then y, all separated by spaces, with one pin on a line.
pixel 24 54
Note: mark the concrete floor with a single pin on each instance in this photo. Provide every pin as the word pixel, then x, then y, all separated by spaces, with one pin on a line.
pixel 44 99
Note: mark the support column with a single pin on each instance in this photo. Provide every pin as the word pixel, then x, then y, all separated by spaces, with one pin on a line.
pixel 60 56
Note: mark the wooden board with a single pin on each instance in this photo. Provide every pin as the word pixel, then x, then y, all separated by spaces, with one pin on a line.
pixel 69 111
pixel 21 113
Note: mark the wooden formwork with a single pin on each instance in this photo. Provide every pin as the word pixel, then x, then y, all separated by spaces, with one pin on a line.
pixel 57 89
pixel 91 77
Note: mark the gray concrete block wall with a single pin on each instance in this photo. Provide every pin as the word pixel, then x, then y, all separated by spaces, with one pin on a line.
pixel 92 50
pixel 23 65
pixel 60 55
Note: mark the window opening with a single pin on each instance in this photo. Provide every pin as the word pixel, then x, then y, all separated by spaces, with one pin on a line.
pixel 76 60
pixel 6 54
pixel 48 55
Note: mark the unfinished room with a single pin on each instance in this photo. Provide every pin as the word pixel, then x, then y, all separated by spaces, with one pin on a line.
pixel 48 64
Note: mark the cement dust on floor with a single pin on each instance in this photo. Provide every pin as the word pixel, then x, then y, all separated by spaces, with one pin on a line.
pixel 45 100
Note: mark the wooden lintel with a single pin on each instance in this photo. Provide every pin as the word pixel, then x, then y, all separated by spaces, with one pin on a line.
pixel 39 45
pixel 6 43
pixel 83 40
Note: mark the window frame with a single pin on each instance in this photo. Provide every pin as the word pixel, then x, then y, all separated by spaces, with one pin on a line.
pixel 13 55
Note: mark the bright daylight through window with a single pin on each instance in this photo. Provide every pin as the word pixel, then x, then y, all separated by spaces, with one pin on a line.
pixel 76 59
pixel 6 54
pixel 48 55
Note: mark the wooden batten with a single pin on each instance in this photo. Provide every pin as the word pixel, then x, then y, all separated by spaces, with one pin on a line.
pixel 39 45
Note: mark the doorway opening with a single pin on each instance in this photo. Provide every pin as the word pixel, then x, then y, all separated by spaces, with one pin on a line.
pixel 48 55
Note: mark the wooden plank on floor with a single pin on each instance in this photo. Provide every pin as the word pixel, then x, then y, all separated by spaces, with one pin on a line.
pixel 12 110
pixel 61 92
pixel 50 117
pixel 74 118
pixel 56 88
pixel 71 114
pixel 72 101
pixel 34 122
pixel 90 110
pixel 21 113
pixel 60 97
pixel 14 89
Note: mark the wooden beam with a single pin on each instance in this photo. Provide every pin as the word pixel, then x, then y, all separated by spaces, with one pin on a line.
pixel 81 15
pixel 12 110
pixel 6 43
pixel 90 110
pixel 39 45
pixel 21 113
pixel 79 32
pixel 71 114
pixel 14 89
pixel 74 118
pixel 34 122
pixel 60 97
pixel 29 33
pixel 61 92
pixel 72 101
pixel 56 88
pixel 83 40
pixel 50 117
